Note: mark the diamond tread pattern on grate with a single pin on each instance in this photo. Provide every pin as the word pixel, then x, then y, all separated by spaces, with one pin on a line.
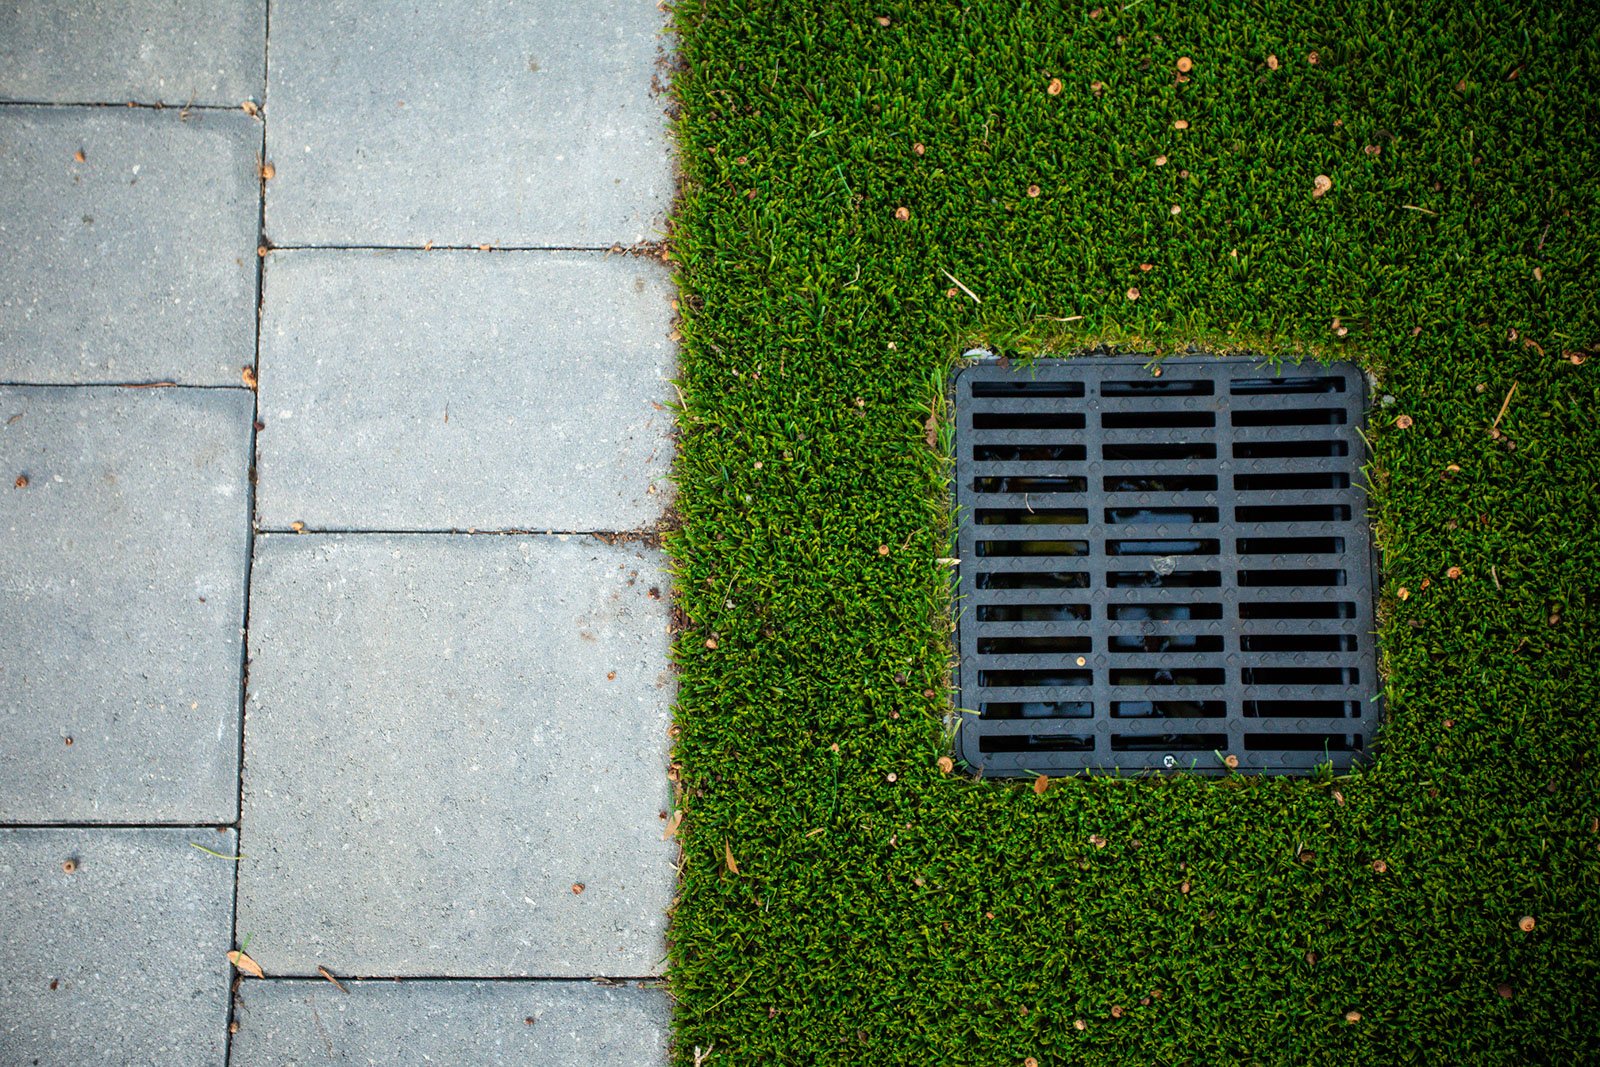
pixel 1154 570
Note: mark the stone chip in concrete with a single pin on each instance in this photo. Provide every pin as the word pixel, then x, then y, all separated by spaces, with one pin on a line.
pixel 457 390
pixel 484 121
pixel 552 1024
pixel 124 526
pixel 116 51
pixel 137 264
pixel 445 735
pixel 124 958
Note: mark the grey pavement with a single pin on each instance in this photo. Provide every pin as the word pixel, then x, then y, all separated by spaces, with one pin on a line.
pixel 113 946
pixel 456 390
pixel 122 586
pixel 110 51
pixel 444 736
pixel 403 749
pixel 136 264
pixel 551 1024
pixel 478 121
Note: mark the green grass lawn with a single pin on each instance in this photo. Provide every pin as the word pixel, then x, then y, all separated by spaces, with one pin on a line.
pixel 885 912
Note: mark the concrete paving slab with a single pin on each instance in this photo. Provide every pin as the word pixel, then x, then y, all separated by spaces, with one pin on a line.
pixel 136 264
pixel 498 121
pixel 117 51
pixel 122 580
pixel 456 390
pixel 455 756
pixel 122 960
pixel 552 1024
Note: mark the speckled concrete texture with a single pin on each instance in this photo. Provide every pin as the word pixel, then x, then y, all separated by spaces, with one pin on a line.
pixel 455 756
pixel 492 1024
pixel 122 585
pixel 113 946
pixel 480 121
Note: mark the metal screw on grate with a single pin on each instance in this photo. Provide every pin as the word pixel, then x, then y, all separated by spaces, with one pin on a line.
pixel 1160 571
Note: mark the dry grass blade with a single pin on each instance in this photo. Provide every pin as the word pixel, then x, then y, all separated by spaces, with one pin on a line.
pixel 1504 404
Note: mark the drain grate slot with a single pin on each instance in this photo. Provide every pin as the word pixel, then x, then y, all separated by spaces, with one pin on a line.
pixel 1158 571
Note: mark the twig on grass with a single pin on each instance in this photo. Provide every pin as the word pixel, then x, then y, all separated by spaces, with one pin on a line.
pixel 1494 427
pixel 1425 211
pixel 976 299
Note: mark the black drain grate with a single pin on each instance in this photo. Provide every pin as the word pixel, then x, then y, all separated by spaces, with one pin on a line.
pixel 1157 570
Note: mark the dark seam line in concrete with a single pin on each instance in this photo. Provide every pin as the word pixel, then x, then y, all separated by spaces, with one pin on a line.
pixel 126 105
pixel 212 826
pixel 513 532
pixel 602 980
pixel 112 385
pixel 452 248
pixel 250 524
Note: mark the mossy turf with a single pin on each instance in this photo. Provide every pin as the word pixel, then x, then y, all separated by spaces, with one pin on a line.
pixel 886 912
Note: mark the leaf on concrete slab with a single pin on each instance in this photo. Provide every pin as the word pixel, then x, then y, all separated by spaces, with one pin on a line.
pixel 246 964
pixel 329 976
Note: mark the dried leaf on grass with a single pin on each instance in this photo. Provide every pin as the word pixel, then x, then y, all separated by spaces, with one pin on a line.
pixel 727 855
pixel 673 824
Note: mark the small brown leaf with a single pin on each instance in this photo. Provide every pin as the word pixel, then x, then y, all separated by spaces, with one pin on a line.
pixel 673 824
pixel 1181 124
pixel 1041 783
pixel 1538 274
pixel 1403 593
pixel 329 976
pixel 727 855
pixel 1380 867
pixel 268 172
pixel 1313 58
pixel 930 430
pixel 247 374
pixel 1176 210
pixel 1504 990
pixel 578 888
pixel 1453 572
pixel 883 20
pixel 711 643
pixel 1352 1017
pixel 902 213
pixel 1321 185
pixel 246 964
pixel 1272 63
pixel 1030 1062
pixel 1116 1011
pixel 80 157
pixel 883 550
pixel 1054 88
pixel 297 526
pixel 919 149
pixel 21 482
pixel 1133 293
pixel 1231 761
pixel 1161 161
pixel 946 765
pixel 249 108
pixel 1526 924
pixel 1033 192
pixel 1373 150
pixel 1404 422
pixel 1097 841
pixel 1185 64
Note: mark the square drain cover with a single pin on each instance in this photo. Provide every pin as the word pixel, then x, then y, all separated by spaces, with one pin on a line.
pixel 1163 572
